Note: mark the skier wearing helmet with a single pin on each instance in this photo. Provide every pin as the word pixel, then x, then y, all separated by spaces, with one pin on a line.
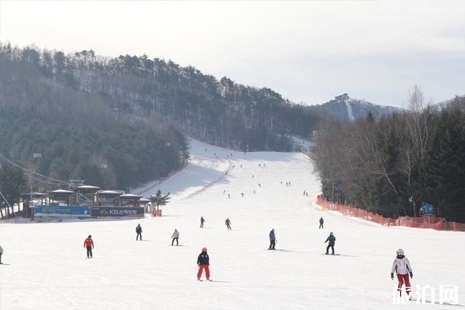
pixel 332 241
pixel 401 266
pixel 203 261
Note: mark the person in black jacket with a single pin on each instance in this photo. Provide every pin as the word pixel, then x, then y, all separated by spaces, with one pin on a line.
pixel 332 241
pixel 228 223
pixel 139 232
pixel 203 261
pixel 322 221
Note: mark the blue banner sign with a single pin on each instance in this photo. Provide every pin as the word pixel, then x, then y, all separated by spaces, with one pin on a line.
pixel 71 211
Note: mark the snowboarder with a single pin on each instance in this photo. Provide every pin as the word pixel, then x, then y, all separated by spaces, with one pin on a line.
pixel 228 223
pixel 175 236
pixel 272 240
pixel 322 221
pixel 202 220
pixel 332 241
pixel 203 261
pixel 1 252
pixel 401 266
pixel 89 245
pixel 138 232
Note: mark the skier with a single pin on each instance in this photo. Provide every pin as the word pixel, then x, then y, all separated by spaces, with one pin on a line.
pixel 1 252
pixel 321 222
pixel 332 241
pixel 139 232
pixel 401 266
pixel 202 220
pixel 175 236
pixel 89 245
pixel 272 240
pixel 228 223
pixel 203 261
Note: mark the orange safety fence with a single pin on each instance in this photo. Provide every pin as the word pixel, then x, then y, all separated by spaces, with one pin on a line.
pixel 433 222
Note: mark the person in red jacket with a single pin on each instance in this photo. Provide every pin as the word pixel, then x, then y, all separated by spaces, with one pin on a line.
pixel 89 245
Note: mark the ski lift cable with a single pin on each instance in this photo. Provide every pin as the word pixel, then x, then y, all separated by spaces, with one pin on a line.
pixel 31 173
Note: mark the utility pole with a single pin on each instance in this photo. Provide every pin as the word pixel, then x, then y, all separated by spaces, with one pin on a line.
pixel 104 169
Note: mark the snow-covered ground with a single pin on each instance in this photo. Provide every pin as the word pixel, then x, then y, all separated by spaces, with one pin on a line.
pixel 45 266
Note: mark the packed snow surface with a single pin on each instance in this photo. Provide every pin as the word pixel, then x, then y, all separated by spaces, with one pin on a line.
pixel 45 265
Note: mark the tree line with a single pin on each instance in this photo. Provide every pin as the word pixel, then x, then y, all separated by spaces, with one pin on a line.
pixel 221 112
pixel 77 135
pixel 391 165
pixel 120 122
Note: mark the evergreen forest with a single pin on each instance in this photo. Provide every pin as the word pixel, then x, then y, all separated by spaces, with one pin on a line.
pixel 391 165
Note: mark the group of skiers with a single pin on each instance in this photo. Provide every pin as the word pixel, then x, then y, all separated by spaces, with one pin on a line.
pixel 401 265
pixel 227 222
pixel 331 238
pixel 174 236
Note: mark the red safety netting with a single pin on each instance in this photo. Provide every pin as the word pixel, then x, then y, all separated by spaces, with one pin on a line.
pixel 433 222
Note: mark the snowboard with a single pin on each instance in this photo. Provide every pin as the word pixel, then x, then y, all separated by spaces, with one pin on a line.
pixel 336 254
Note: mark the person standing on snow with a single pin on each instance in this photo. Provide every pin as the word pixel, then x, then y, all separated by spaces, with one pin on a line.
pixel 139 232
pixel 175 236
pixel 332 241
pixel 202 220
pixel 89 245
pixel 203 261
pixel 401 266
pixel 272 240
pixel 228 223
pixel 322 221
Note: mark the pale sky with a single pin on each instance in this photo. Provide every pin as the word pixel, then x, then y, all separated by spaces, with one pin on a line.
pixel 308 51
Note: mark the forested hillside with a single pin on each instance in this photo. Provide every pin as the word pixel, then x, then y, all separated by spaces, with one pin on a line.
pixel 217 111
pixel 393 164
pixel 118 122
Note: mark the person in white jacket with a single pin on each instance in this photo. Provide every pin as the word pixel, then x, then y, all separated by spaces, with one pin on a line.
pixel 401 266
pixel 175 236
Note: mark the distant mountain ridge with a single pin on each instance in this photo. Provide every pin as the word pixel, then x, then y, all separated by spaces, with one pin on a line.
pixel 345 108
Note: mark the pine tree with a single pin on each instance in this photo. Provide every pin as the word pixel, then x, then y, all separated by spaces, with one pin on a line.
pixel 159 200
